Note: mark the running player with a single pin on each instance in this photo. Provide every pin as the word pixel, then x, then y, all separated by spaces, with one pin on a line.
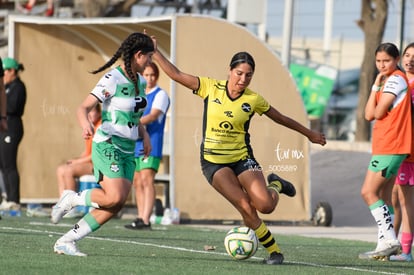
pixel 227 160
pixel 113 143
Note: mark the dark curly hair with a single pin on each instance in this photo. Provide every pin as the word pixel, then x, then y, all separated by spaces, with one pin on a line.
pixel 132 44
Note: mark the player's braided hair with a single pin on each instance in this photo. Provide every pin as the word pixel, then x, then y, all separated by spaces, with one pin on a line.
pixel 132 44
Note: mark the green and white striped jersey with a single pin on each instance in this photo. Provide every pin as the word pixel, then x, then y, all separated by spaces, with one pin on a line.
pixel 121 110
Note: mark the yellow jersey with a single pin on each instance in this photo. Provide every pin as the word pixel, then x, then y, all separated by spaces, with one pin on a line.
pixel 226 121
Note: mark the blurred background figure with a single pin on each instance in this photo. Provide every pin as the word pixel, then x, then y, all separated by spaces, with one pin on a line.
pixel 2 188
pixel 27 8
pixel 94 8
pixel 146 167
pixel 10 139
pixel 3 104
pixel 3 126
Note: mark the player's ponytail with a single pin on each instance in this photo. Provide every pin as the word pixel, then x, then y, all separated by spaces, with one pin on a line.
pixel 131 45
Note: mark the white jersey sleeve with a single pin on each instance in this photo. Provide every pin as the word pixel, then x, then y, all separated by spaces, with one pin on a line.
pixel 161 101
pixel 106 87
pixel 396 85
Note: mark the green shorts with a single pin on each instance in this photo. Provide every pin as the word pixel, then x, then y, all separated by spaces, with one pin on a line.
pixel 111 162
pixel 148 163
pixel 388 165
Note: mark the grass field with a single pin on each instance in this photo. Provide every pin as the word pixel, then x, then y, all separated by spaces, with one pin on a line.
pixel 26 248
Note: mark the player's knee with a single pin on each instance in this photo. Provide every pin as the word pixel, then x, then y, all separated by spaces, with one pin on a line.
pixel 60 170
pixel 368 196
pixel 117 200
pixel 67 171
pixel 267 207
pixel 364 194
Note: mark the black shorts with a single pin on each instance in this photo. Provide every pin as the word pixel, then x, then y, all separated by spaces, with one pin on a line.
pixel 209 168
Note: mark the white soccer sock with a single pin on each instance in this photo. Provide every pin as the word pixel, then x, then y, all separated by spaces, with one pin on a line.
pixel 84 198
pixel 380 239
pixel 79 231
pixel 383 218
pixel 79 198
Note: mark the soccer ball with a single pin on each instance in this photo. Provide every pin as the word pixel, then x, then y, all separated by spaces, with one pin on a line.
pixel 241 242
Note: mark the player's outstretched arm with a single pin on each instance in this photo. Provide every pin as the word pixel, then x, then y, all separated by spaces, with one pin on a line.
pixel 187 80
pixel 313 136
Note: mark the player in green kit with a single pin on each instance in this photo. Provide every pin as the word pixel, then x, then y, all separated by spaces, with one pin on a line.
pixel 113 143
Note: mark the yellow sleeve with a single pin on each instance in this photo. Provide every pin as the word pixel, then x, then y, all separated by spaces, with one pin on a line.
pixel 262 106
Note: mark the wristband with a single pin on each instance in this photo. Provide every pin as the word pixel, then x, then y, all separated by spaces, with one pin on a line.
pixel 375 88
pixel 3 117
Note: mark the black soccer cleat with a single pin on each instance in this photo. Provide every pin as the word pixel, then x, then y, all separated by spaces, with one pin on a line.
pixel 280 185
pixel 274 259
pixel 138 224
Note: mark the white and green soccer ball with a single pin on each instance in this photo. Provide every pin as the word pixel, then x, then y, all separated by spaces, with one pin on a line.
pixel 241 242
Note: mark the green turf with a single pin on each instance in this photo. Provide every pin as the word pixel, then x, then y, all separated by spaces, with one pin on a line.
pixel 26 248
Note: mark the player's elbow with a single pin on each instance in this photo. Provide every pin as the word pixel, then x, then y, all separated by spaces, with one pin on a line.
pixel 380 115
pixel 369 116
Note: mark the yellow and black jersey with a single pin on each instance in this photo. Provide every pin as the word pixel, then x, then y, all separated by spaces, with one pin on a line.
pixel 226 121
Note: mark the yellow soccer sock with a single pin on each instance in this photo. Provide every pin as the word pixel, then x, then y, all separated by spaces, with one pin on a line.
pixel 275 185
pixel 266 239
